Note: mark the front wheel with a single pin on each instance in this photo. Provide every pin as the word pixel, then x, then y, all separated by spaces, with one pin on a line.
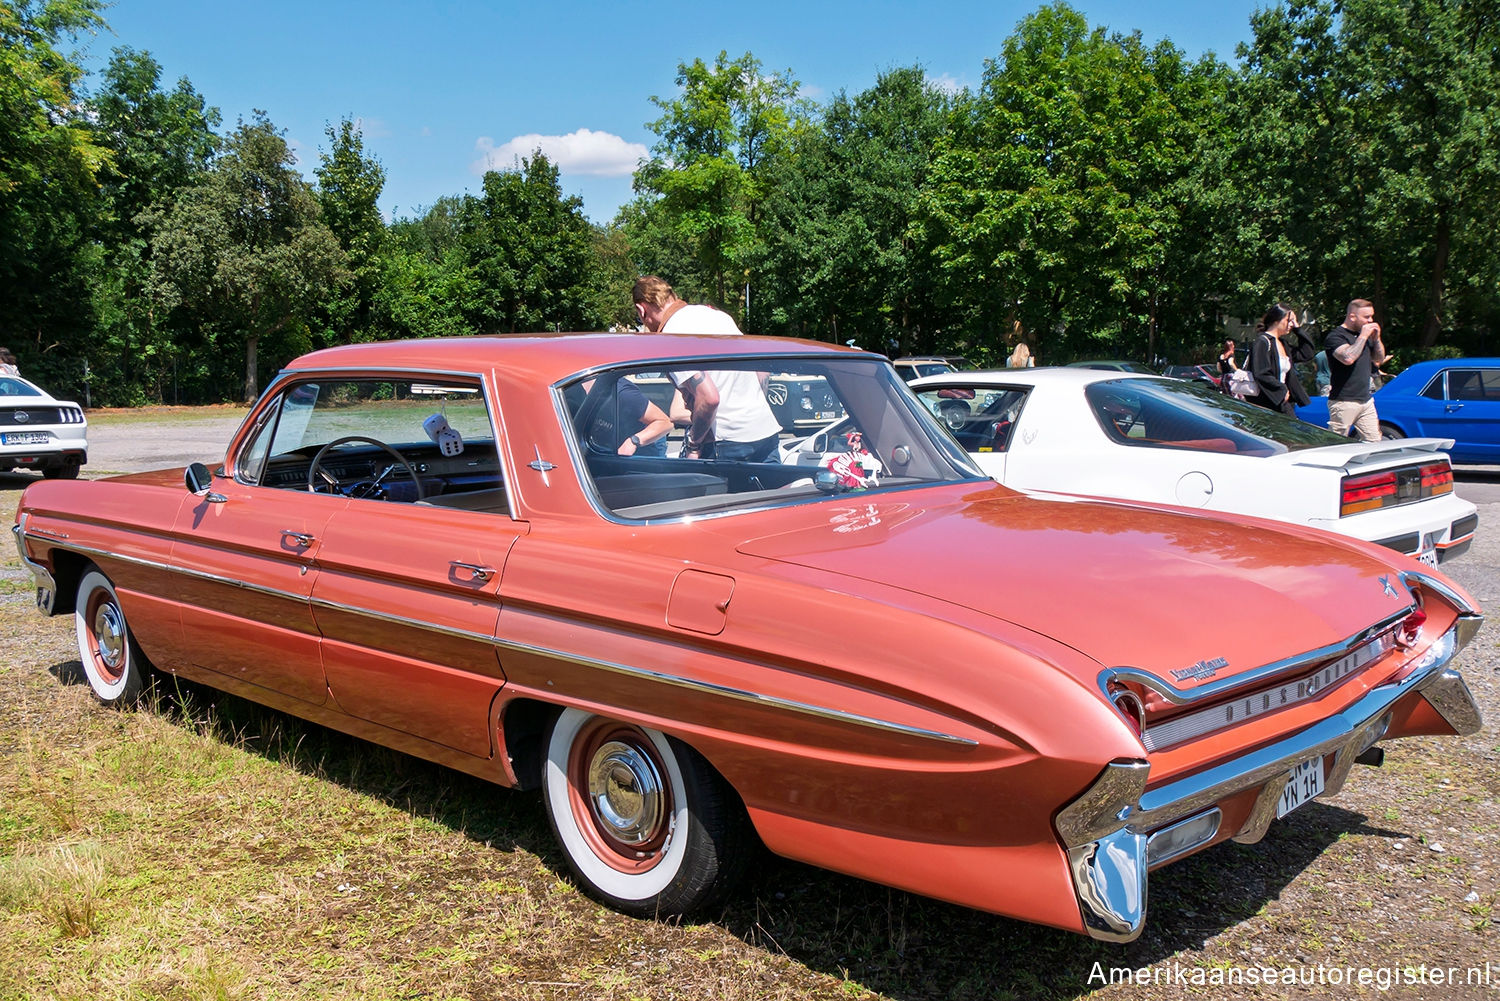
pixel 113 664
pixel 1389 432
pixel 647 825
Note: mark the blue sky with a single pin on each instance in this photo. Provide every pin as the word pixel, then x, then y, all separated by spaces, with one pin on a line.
pixel 443 90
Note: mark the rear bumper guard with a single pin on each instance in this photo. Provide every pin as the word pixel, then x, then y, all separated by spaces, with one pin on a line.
pixel 1108 830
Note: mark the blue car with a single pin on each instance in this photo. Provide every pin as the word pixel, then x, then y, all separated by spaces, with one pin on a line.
pixel 1456 398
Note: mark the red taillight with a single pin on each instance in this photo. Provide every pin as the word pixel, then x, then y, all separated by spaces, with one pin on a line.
pixel 1437 479
pixel 1411 627
pixel 1366 493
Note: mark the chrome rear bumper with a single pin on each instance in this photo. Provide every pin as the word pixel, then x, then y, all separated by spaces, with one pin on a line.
pixel 1107 830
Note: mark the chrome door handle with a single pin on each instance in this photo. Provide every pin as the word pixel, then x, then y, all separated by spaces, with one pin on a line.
pixel 300 538
pixel 476 571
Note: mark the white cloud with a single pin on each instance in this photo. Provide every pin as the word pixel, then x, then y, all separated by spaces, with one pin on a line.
pixel 947 83
pixel 597 154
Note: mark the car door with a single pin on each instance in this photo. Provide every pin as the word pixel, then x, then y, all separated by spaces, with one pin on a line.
pixel 406 596
pixel 1471 414
pixel 246 557
pixel 407 600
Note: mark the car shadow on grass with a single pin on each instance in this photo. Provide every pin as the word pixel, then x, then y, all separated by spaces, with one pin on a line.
pixel 898 944
pixel 459 801
pixel 911 947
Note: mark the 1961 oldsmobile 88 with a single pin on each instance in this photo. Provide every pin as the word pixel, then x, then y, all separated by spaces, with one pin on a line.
pixel 902 671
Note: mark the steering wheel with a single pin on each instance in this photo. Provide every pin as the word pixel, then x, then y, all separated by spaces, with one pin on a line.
pixel 316 469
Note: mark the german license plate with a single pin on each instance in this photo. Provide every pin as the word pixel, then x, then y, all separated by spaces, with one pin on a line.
pixel 1306 783
pixel 1428 553
pixel 25 438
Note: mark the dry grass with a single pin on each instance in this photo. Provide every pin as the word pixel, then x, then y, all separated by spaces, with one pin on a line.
pixel 204 847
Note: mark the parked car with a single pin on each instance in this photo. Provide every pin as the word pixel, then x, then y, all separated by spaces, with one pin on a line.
pixel 1456 398
pixel 1171 441
pixel 916 366
pixel 39 432
pixel 1202 373
pixel 909 674
pixel 1114 366
pixel 801 402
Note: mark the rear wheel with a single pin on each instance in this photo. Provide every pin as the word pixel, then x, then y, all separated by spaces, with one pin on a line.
pixel 67 471
pixel 647 825
pixel 1389 432
pixel 113 664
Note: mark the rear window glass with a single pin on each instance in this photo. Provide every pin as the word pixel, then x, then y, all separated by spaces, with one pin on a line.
pixel 1171 413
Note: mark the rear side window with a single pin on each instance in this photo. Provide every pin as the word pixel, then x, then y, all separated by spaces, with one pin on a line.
pixel 1474 384
pixel 982 418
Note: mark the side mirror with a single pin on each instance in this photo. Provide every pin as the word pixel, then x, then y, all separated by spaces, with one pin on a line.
pixel 199 483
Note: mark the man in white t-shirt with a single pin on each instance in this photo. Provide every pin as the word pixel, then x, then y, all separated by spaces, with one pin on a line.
pixel 730 416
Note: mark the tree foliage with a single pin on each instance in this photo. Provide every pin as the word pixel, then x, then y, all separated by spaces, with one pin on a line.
pixel 49 162
pixel 713 167
pixel 1093 196
pixel 244 250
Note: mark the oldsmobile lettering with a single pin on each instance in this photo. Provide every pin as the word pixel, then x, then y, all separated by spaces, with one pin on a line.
pixel 1202 669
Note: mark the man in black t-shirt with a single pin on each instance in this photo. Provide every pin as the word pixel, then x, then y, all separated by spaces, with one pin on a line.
pixel 1354 352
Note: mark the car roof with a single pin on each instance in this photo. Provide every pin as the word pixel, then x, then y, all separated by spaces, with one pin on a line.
pixel 1437 364
pixel 1045 376
pixel 550 357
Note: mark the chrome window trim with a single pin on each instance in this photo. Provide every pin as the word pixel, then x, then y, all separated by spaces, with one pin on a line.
pixel 486 392
pixel 1255 676
pixel 1440 376
pixel 742 695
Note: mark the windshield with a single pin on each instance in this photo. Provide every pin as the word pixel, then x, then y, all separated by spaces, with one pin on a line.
pixel 637 437
pixel 1171 413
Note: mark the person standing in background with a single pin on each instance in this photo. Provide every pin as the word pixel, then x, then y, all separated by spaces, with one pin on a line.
pixel 1355 352
pixel 1020 357
pixel 729 416
pixel 1274 354
pixel 1227 364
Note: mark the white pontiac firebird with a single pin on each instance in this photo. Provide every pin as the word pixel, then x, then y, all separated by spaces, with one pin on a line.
pixel 1170 441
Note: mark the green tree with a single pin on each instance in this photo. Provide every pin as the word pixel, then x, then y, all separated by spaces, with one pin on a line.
pixel 1373 124
pixel 1056 204
pixel 710 171
pixel 159 142
pixel 349 186
pixel 244 251
pixel 49 161
pixel 526 248
pixel 843 244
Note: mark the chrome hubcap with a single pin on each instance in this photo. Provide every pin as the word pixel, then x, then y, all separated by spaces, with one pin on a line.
pixel 109 633
pixel 625 789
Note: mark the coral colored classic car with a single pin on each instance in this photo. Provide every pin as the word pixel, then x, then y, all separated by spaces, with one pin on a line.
pixel 1169 441
pixel 1454 398
pixel 437 545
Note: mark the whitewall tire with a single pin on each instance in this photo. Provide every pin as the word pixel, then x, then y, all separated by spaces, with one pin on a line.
pixel 113 665
pixel 647 826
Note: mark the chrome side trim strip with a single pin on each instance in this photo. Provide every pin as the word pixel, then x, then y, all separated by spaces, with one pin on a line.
pixel 1302 661
pixel 756 698
pixel 803 708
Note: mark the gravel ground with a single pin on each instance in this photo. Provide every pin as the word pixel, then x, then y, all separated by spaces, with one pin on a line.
pixel 1396 880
